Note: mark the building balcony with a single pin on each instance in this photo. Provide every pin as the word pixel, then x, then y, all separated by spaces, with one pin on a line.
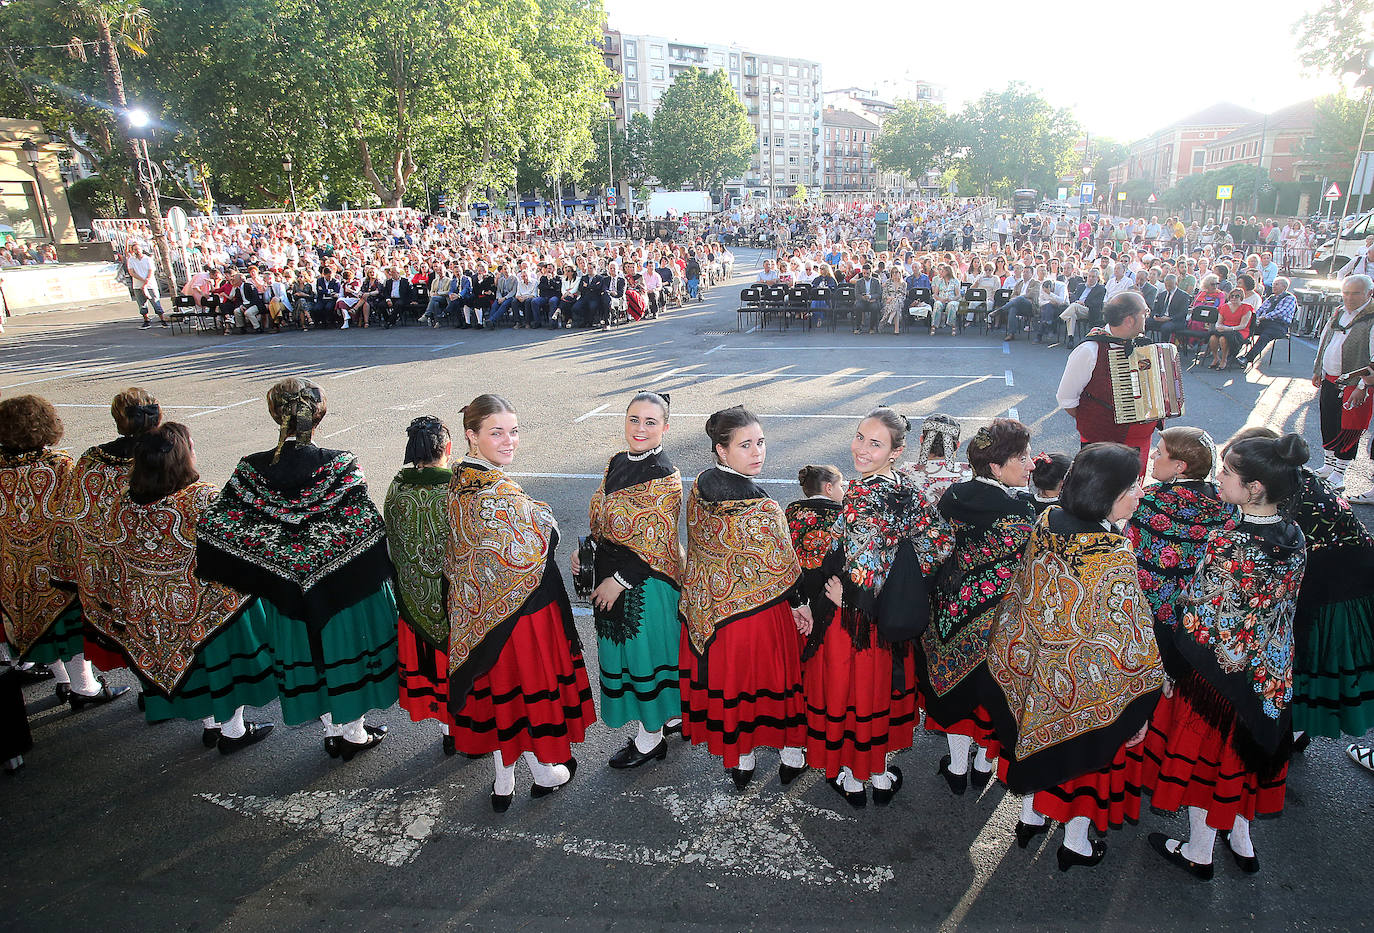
pixel 615 93
pixel 610 45
pixel 751 90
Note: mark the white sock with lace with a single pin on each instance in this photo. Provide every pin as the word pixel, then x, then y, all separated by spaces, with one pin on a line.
pixel 883 781
pixel 849 782
pixel 674 723
pixel 234 728
pixel 1076 835
pixel 794 756
pixel 5 656
pixel 647 741
pixel 746 762
pixel 1029 815
pixel 82 676
pixel 1201 837
pixel 547 775
pixel 209 723
pixel 981 762
pixel 505 775
pixel 1338 472
pixel 331 731
pixel 352 732
pixel 958 753
pixel 59 673
pixel 1240 838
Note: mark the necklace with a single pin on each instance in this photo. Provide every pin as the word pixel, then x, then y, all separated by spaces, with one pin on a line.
pixel 1262 519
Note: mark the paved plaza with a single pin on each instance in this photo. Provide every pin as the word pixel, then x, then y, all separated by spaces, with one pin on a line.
pixel 117 825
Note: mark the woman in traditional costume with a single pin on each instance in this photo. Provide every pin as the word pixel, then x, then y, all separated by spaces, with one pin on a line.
pixel 1073 668
pixel 516 679
pixel 1047 479
pixel 195 651
pixel 859 669
pixel 991 517
pixel 811 522
pixel 416 513
pixel 295 528
pixel 42 619
pixel 1169 529
pixel 638 579
pixel 1221 737
pixel 741 652
pixel 100 479
pixel 939 467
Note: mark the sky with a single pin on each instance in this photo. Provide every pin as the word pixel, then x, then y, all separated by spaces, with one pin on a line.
pixel 1123 70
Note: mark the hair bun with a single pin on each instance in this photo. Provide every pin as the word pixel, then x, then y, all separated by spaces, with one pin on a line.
pixel 805 474
pixel 1292 449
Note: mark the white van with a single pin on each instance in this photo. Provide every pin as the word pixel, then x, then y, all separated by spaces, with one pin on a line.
pixel 1329 257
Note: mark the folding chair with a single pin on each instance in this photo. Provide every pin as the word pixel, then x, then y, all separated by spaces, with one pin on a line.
pixel 920 303
pixel 825 296
pixel 845 300
pixel 772 301
pixel 749 299
pixel 183 307
pixel 798 305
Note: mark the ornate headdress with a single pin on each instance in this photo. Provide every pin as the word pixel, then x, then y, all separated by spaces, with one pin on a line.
pixel 944 427
pixel 297 406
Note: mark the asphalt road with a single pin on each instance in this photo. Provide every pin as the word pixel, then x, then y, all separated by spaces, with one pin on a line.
pixel 115 825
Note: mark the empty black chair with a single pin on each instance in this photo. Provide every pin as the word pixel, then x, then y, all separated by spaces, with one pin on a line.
pixel 749 299
pixel 920 301
pixel 844 301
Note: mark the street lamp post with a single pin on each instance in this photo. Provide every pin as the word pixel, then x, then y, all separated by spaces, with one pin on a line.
pixel 290 182
pixel 139 130
pixel 31 153
pixel 610 175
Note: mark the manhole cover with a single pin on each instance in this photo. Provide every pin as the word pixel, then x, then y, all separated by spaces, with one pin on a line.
pixel 715 333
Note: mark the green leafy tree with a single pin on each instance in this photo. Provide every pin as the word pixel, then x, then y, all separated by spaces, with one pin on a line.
pixel 1103 156
pixel 701 132
pixel 917 138
pixel 1013 138
pixel 1335 135
pixel 1336 36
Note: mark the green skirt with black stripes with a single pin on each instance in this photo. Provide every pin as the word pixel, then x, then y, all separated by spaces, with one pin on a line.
pixel 232 669
pixel 639 658
pixel 62 641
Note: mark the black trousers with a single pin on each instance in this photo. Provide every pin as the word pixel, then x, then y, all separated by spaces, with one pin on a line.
pixel 866 313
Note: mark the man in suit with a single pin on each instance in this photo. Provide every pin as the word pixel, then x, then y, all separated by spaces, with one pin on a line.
pixel 1169 311
pixel 868 300
pixel 328 290
pixel 392 297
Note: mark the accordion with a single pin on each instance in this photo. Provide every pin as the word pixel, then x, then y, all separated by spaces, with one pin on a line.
pixel 1147 383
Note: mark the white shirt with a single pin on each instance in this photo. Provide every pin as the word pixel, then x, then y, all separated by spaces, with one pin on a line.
pixel 1360 265
pixel 1077 371
pixel 141 269
pixel 1331 360
pixel 1116 286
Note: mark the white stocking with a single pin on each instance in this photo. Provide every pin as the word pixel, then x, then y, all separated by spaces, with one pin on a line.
pixel 958 753
pixel 849 782
pixel 746 762
pixel 351 732
pixel 1029 815
pixel 82 676
pixel 5 656
pixel 505 775
pixel 647 741
pixel 209 723
pixel 234 728
pixel 794 756
pixel 1240 838
pixel 59 673
pixel 331 731
pixel 547 775
pixel 883 781
pixel 981 762
pixel 1201 837
pixel 1076 835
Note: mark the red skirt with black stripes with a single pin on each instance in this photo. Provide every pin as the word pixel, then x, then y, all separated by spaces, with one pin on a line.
pixel 536 697
pixel 745 692
pixel 855 712
pixel 1189 764
pixel 1109 796
pixel 423 675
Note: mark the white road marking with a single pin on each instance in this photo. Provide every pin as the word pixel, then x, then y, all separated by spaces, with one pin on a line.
pixel 719 346
pixel 788 348
pixel 448 346
pixel 1008 377
pixel 354 372
pixel 784 374
pixel 340 431
pixel 163 407
pixel 986 853
pixel 751 330
pixel 222 408
pixel 595 411
pixel 1006 348
pixel 1013 414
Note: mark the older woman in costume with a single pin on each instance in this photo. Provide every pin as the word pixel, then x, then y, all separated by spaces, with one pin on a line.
pixel 741 652
pixel 42 621
pixel 190 643
pixel 1220 739
pixel 295 528
pixel 638 578
pixel 1074 672
pixel 416 513
pixel 517 682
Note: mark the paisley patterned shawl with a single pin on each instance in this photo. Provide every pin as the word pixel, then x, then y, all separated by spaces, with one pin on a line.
pixel 878 514
pixel 812 524
pixel 35 544
pixel 162 612
pixel 1073 645
pixel 100 480
pixel 297 537
pixel 498 547
pixel 643 518
pixel 1168 533
pixel 990 532
pixel 1236 625
pixel 739 558
pixel 416 513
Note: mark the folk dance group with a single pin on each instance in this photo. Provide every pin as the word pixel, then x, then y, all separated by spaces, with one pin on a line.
pixel 1082 665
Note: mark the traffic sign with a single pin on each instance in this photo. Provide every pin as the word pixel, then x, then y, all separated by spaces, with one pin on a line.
pixel 1151 199
pixel 1121 195
pixel 1224 192
pixel 176 221
pixel 1333 193
pixel 610 199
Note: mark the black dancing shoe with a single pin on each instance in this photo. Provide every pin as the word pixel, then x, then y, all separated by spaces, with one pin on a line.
pixel 741 777
pixel 62 691
pixel 541 790
pixel 882 798
pixel 79 701
pixel 674 728
pixel 331 746
pixel 979 779
pixel 1301 742
pixel 858 799
pixel 957 782
pixel 787 774
pixel 1160 843
pixel 210 737
pixel 500 802
pixel 253 733
pixel 631 757
pixel 1068 858
pixel 450 747
pixel 1025 832
pixel 1247 863
pixel 33 674
pixel 348 749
